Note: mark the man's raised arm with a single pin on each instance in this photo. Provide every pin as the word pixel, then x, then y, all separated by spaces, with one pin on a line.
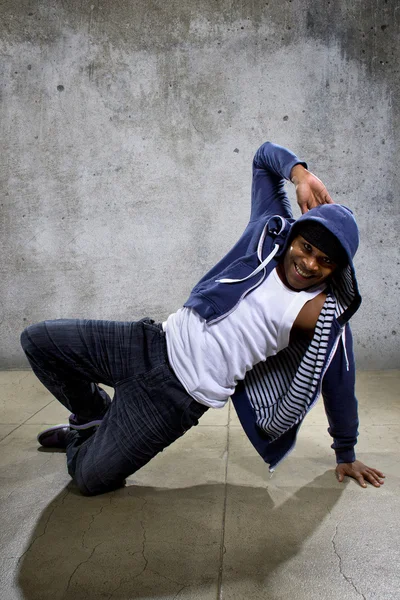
pixel 272 165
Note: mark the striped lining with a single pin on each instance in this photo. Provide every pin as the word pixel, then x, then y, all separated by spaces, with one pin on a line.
pixel 344 291
pixel 282 389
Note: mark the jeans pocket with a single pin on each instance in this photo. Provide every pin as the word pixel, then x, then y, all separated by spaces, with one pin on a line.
pixel 151 325
pixel 157 399
pixel 170 401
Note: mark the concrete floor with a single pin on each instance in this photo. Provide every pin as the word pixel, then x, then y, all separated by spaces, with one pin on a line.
pixel 204 520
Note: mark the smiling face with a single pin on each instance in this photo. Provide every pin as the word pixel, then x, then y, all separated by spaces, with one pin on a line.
pixel 304 265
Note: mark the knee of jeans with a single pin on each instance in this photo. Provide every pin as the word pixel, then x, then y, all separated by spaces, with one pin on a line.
pixel 78 480
pixel 29 333
pixel 83 490
pixel 98 489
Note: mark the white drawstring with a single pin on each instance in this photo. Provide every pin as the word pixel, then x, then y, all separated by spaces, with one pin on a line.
pixel 257 270
pixel 344 348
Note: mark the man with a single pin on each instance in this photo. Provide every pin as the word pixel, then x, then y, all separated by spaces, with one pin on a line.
pixel 268 326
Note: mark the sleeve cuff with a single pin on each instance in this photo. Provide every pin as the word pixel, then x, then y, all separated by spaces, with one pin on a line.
pixel 345 456
pixel 289 167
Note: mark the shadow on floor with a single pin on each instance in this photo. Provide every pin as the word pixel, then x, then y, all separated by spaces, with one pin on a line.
pixel 144 542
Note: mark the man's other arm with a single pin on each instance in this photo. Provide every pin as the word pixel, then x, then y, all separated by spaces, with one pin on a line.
pixel 338 391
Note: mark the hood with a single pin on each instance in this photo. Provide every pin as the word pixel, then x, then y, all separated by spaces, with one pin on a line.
pixel 340 221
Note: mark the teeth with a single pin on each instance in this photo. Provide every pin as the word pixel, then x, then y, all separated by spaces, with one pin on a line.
pixel 302 272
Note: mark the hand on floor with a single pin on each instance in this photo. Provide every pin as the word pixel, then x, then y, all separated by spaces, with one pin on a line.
pixel 357 470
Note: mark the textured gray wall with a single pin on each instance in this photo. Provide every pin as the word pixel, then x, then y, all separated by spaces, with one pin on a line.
pixel 128 129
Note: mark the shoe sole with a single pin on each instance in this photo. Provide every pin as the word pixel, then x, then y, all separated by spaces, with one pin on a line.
pixel 76 427
pixel 84 426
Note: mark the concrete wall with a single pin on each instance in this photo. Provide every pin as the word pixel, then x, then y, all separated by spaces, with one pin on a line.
pixel 128 129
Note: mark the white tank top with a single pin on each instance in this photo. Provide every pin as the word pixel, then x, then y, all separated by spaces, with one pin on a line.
pixel 209 359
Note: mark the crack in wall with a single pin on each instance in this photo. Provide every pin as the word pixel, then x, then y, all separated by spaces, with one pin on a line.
pixel 141 552
pixel 83 562
pixel 64 497
pixel 167 578
pixel 121 582
pixel 144 547
pixel 15 383
pixel 346 577
pixel 197 129
pixel 126 579
pixel 179 591
pixel 93 517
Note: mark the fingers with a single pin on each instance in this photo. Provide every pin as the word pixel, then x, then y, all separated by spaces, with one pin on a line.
pixel 323 197
pixel 361 480
pixel 372 476
pixel 311 192
pixel 326 199
pixel 318 192
pixel 303 203
pixel 312 201
pixel 379 473
pixel 361 473
pixel 373 481
pixel 357 476
pixel 340 473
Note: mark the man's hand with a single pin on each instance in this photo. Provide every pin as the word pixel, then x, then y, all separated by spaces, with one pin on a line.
pixel 310 190
pixel 360 472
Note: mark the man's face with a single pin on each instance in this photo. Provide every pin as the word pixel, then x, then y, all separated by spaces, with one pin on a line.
pixel 304 266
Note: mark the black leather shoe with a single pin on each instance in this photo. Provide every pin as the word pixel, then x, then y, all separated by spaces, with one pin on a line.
pixel 54 437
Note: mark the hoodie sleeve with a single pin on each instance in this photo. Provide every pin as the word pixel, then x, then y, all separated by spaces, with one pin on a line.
pixel 272 165
pixel 338 391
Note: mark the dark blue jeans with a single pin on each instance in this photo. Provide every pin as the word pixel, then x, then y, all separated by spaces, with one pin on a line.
pixel 150 408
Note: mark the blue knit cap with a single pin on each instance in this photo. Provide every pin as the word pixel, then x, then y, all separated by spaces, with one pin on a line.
pixel 320 237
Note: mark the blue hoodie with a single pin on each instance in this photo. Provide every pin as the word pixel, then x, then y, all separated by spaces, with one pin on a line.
pixel 274 398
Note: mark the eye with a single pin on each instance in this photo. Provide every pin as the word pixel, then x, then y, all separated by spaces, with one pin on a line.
pixel 307 247
pixel 327 261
